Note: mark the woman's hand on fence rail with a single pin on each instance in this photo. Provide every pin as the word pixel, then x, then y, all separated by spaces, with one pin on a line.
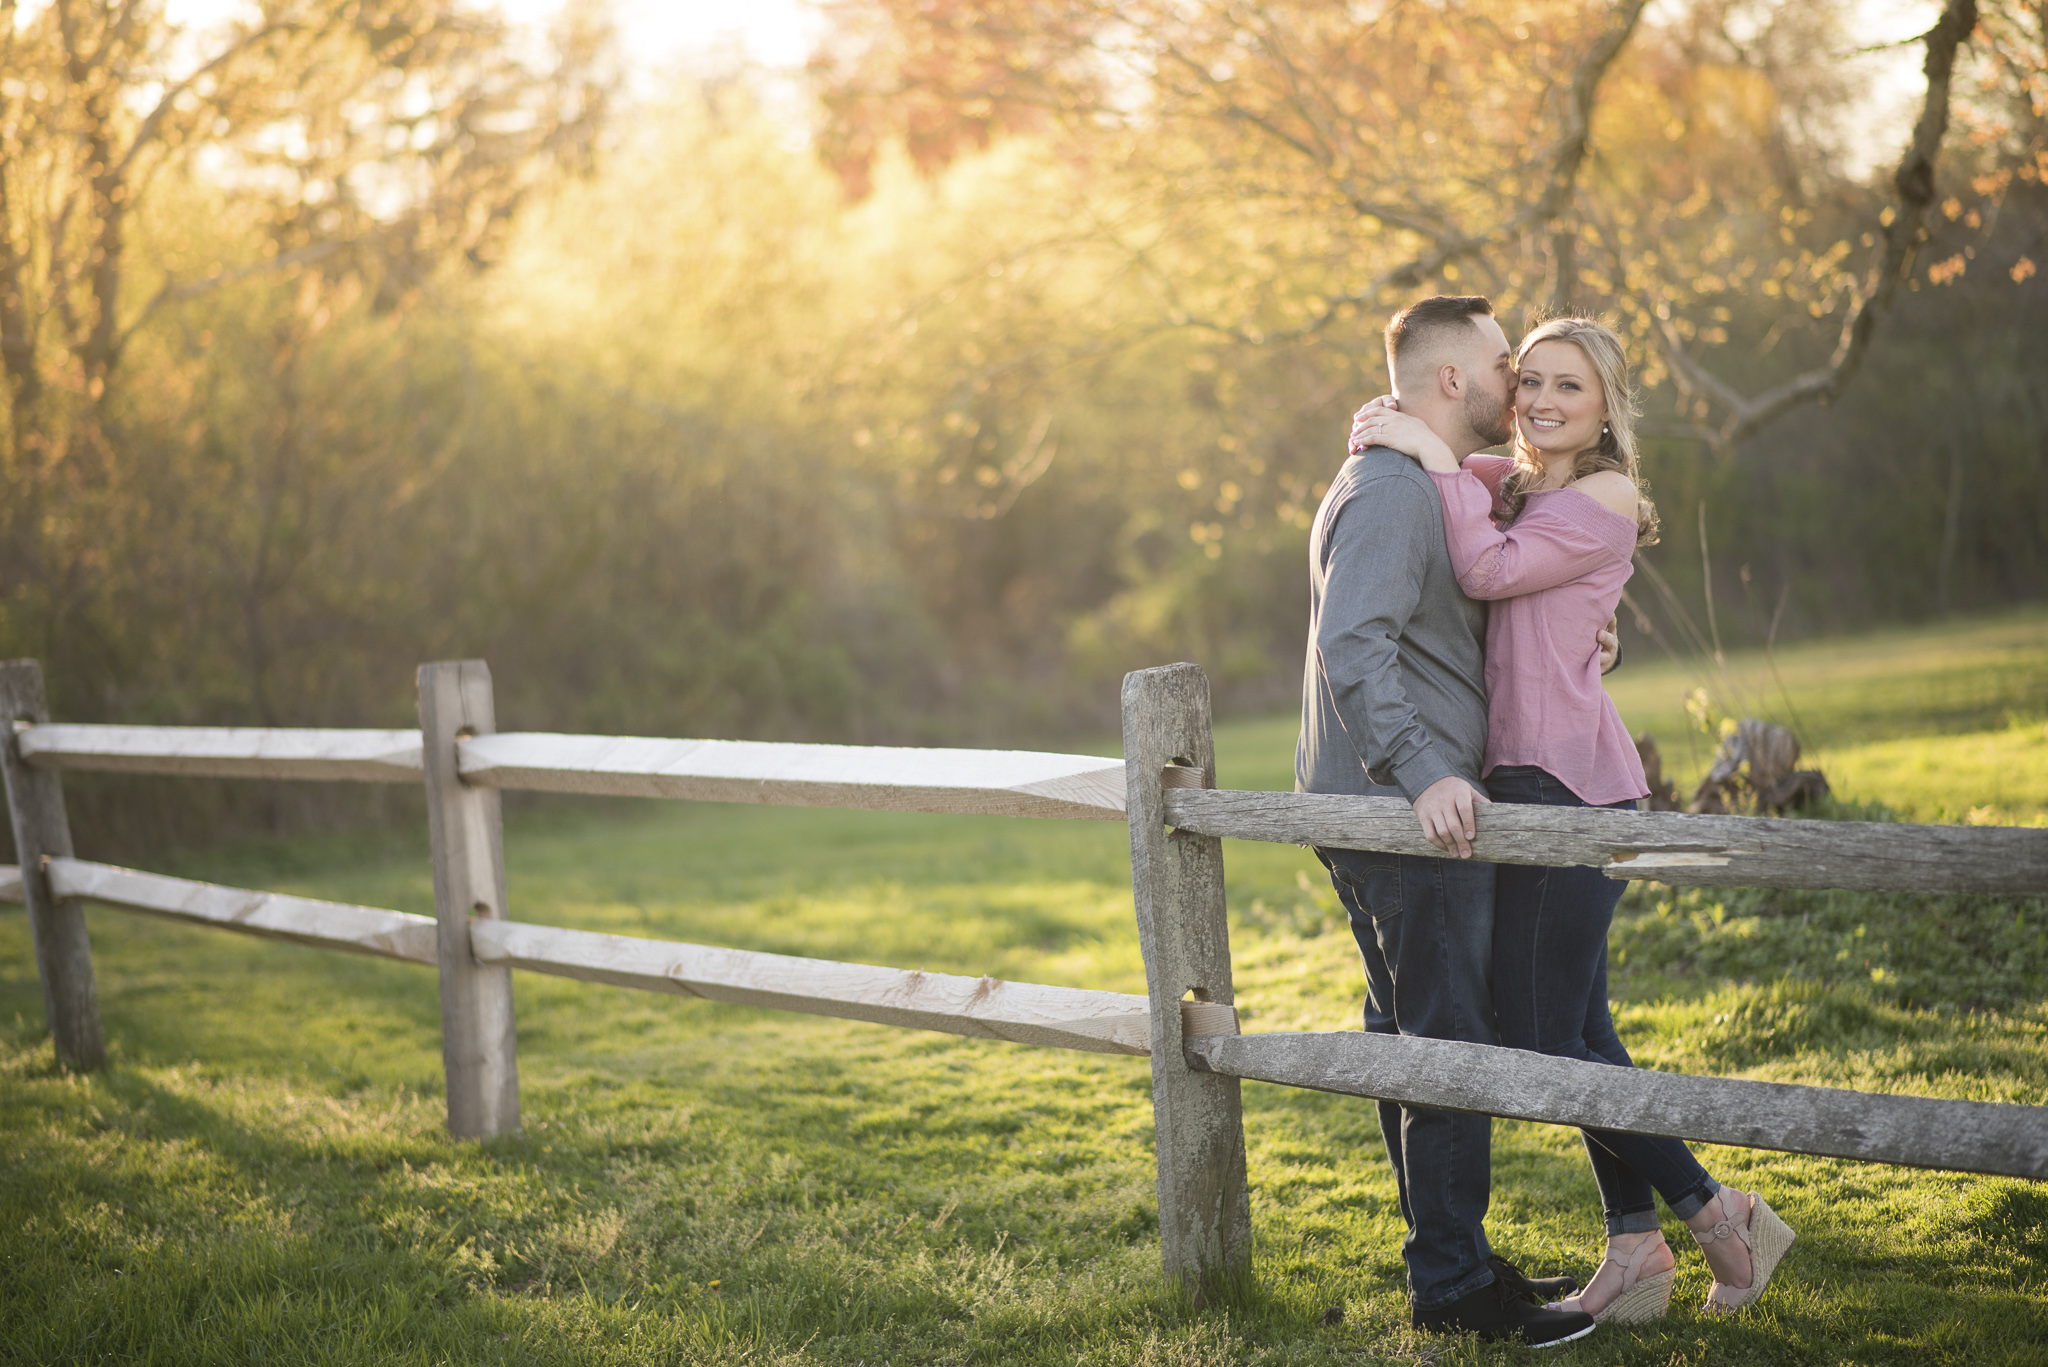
pixel 1668 847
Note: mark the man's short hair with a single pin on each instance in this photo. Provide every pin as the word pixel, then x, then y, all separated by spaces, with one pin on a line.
pixel 1415 330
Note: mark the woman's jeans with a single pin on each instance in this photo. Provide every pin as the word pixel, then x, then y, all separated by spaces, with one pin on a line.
pixel 1550 996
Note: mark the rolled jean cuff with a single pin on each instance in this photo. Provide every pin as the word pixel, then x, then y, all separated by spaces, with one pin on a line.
pixel 1695 1201
pixel 1633 1221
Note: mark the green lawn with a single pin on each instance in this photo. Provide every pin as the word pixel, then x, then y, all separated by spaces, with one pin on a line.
pixel 260 1174
pixel 1933 722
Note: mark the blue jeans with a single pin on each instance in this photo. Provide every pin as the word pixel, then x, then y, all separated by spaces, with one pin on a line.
pixel 1425 931
pixel 1550 996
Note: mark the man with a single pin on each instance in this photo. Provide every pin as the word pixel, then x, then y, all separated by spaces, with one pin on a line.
pixel 1394 705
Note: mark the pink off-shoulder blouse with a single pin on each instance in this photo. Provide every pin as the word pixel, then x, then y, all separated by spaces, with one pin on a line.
pixel 1554 576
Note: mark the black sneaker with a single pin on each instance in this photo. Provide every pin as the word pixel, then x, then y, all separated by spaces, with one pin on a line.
pixel 1494 1312
pixel 1538 1290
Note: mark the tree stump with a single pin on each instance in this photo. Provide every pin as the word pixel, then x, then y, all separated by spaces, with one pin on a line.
pixel 1753 771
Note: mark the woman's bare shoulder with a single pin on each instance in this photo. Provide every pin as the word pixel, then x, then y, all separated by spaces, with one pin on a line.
pixel 1611 489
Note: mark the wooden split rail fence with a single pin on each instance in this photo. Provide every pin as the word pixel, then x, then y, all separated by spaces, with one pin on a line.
pixel 1164 789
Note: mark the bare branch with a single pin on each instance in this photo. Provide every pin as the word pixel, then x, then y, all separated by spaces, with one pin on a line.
pixel 1570 153
pixel 1904 228
pixel 1691 377
pixel 1565 158
pixel 17 330
pixel 171 292
pixel 1679 431
pixel 17 337
pixel 58 267
pixel 152 123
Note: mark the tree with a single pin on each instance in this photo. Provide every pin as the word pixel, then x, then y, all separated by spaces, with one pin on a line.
pixel 1867 297
pixel 1370 154
pixel 1363 156
pixel 342 140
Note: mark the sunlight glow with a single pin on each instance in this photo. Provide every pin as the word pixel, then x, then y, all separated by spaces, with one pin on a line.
pixel 654 34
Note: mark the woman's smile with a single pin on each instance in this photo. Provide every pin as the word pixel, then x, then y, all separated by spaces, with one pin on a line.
pixel 1558 401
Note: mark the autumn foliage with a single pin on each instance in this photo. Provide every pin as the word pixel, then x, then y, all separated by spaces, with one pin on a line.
pixel 364 332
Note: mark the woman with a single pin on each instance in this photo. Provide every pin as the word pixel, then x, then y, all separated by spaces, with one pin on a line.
pixel 1549 536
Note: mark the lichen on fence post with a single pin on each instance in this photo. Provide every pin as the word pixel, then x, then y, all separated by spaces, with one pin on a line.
pixel 1177 883
pixel 468 845
pixel 35 805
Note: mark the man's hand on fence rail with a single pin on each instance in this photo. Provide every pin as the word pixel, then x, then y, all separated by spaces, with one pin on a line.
pixel 1446 811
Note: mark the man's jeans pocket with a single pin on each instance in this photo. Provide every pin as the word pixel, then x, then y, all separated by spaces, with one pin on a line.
pixel 1368 884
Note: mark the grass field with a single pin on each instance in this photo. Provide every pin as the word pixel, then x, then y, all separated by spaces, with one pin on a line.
pixel 1935 723
pixel 260 1175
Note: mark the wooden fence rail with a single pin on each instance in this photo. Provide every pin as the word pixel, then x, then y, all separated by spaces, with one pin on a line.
pixel 225 751
pixel 1669 847
pixel 872 777
pixel 1912 1131
pixel 875 777
pixel 986 1008
pixel 1186 1023
pixel 1964 1136
pixel 270 915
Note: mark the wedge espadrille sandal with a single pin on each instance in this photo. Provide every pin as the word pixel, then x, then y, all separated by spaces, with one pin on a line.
pixel 1767 1238
pixel 1641 1299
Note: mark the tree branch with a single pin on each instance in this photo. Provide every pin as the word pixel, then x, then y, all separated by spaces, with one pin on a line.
pixel 17 335
pixel 152 123
pixel 171 292
pixel 1913 186
pixel 1565 158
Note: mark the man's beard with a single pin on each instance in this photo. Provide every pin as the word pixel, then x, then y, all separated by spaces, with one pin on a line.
pixel 1488 417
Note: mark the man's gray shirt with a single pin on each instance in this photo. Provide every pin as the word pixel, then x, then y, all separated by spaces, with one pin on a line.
pixel 1394 692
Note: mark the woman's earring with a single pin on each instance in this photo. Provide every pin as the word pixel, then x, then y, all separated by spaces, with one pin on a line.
pixel 1603 429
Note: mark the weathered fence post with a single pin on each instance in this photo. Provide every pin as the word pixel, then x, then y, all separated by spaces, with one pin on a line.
pixel 35 804
pixel 467 830
pixel 1177 881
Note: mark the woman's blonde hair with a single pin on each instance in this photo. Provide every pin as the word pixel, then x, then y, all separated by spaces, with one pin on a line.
pixel 1616 449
